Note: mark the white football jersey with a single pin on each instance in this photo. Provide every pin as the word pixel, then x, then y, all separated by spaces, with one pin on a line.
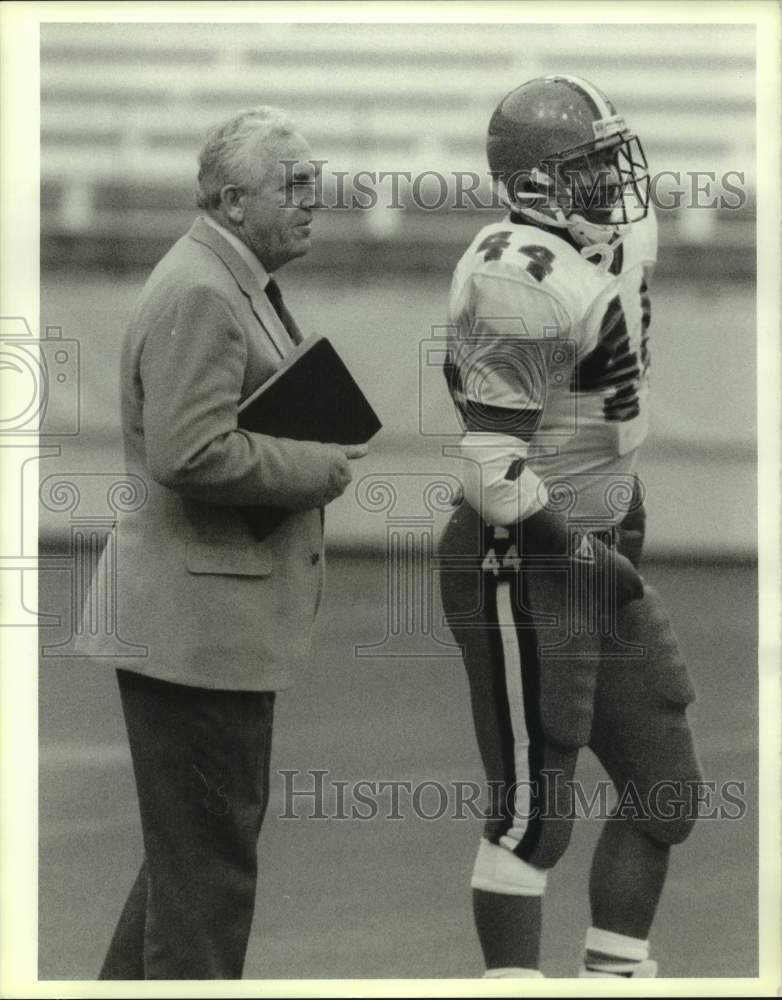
pixel 536 326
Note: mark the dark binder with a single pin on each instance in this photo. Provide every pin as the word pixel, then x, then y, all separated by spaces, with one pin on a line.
pixel 312 397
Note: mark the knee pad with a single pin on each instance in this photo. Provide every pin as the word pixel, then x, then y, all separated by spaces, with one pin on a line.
pixel 670 832
pixel 498 869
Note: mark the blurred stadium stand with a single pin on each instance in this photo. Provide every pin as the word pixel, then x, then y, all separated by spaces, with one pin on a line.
pixel 125 107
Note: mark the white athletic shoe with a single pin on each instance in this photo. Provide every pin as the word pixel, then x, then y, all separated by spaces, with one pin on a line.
pixel 643 970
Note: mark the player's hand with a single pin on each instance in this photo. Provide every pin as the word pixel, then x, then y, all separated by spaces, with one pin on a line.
pixel 546 533
pixel 340 473
pixel 612 565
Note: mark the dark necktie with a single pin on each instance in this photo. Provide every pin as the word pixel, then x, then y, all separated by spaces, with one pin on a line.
pixel 274 296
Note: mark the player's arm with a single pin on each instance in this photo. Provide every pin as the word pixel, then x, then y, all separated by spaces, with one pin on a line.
pixel 500 391
pixel 502 373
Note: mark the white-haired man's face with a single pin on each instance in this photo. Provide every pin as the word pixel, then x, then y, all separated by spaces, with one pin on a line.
pixel 273 215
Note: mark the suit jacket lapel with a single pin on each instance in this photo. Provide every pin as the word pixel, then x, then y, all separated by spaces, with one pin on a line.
pixel 264 312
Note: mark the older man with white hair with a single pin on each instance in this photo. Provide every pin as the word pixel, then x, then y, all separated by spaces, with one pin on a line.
pixel 224 609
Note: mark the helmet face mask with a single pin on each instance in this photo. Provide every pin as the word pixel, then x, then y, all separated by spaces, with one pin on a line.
pixel 565 158
pixel 605 186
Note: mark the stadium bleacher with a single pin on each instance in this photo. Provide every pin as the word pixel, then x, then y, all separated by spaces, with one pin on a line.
pixel 124 108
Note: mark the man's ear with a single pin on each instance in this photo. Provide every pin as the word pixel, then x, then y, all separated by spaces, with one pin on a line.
pixel 232 201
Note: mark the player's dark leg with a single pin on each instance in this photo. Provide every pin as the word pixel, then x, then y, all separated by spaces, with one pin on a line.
pixel 627 877
pixel 625 884
pixel 509 931
pixel 643 739
pixel 507 891
pixel 509 876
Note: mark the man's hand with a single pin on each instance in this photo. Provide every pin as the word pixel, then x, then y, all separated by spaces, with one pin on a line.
pixel 340 473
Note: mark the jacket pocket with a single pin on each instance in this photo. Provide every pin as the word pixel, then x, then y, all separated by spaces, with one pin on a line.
pixel 228 560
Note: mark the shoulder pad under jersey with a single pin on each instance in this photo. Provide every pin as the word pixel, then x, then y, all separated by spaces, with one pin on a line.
pixel 533 258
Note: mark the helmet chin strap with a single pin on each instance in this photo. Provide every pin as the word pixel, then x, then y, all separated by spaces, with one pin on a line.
pixel 593 238
pixel 592 233
pixel 605 252
pixel 589 234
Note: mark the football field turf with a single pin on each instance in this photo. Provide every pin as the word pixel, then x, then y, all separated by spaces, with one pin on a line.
pixel 386 897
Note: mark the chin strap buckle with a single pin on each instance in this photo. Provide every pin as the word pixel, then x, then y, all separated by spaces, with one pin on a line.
pixel 604 250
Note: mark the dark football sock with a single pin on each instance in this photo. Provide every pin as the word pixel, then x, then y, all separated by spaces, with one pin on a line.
pixel 508 929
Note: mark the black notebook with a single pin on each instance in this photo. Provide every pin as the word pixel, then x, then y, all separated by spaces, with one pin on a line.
pixel 312 397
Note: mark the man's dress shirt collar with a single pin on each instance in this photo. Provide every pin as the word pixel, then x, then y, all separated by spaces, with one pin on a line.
pixel 257 268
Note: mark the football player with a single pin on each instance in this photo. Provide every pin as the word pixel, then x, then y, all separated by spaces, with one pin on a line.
pixel 564 644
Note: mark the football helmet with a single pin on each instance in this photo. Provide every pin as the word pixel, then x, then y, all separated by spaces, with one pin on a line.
pixel 563 157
